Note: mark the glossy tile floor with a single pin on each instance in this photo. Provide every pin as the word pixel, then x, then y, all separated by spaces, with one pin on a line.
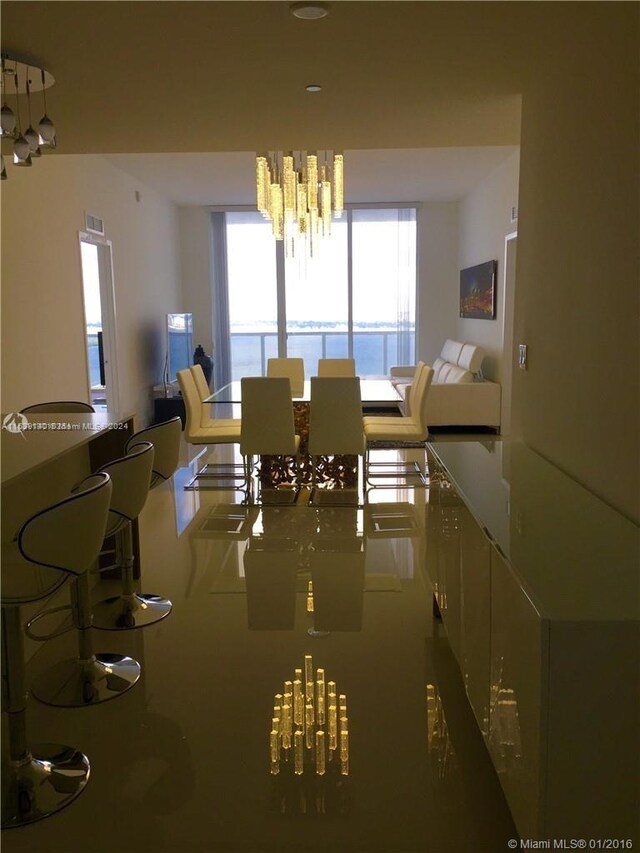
pixel 181 762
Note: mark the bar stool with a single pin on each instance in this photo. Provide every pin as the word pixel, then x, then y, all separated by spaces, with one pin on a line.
pixel 131 476
pixel 56 544
pixel 165 438
pixel 89 678
pixel 58 407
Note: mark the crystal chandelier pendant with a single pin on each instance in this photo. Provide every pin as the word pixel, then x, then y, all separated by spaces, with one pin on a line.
pixel 27 78
pixel 30 134
pixel 300 195
pixel 47 132
pixel 34 141
pixel 7 121
pixel 21 149
pixel 21 152
pixel 7 116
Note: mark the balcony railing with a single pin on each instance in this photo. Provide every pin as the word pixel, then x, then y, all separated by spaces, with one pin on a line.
pixel 374 351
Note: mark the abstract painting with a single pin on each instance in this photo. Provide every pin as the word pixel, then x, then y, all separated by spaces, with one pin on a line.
pixel 478 291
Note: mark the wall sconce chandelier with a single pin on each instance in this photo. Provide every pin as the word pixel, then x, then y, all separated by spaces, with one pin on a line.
pixel 19 81
pixel 300 193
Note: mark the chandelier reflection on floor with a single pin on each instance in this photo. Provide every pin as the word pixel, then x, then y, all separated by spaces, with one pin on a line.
pixel 310 726
pixel 299 194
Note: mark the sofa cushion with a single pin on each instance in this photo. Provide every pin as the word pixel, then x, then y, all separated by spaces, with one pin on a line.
pixel 451 351
pixel 457 375
pixel 438 364
pixel 471 358
pixel 444 372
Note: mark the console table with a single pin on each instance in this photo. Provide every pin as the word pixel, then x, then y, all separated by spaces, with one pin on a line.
pixel 537 582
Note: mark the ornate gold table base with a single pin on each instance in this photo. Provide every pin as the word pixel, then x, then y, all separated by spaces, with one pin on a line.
pixel 334 472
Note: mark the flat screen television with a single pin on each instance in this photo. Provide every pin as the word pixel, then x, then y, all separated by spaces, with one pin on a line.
pixel 179 344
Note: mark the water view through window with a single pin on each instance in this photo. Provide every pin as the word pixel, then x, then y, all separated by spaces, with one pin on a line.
pixel 354 297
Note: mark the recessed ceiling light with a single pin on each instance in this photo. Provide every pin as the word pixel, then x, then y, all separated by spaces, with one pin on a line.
pixel 309 11
pixel 313 87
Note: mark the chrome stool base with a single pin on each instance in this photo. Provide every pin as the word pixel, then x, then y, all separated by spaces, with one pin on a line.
pixel 125 612
pixel 75 683
pixel 50 778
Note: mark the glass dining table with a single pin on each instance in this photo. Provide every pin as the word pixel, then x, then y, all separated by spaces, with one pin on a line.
pixel 377 394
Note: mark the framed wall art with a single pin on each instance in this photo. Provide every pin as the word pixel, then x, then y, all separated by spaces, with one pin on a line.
pixel 478 291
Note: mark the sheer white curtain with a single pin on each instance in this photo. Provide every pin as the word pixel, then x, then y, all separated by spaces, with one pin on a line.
pixel 384 286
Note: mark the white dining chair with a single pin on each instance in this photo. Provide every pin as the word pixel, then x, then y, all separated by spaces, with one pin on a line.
pixel 336 367
pixel 404 382
pixel 335 427
pixel 203 429
pixel 202 386
pixel 413 428
pixel 293 368
pixel 267 424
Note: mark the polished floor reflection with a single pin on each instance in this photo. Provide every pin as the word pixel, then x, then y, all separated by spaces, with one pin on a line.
pixel 182 761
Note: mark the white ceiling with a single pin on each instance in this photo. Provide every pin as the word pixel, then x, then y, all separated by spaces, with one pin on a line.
pixel 230 76
pixel 383 175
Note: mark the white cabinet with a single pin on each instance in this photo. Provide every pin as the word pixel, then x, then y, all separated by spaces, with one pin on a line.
pixel 475 617
pixel 538 584
pixel 516 718
pixel 443 556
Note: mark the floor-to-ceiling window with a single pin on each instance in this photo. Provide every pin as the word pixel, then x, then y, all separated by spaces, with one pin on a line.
pixel 252 293
pixel 317 300
pixel 355 297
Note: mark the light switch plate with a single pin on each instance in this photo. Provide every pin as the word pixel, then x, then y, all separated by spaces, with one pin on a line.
pixel 522 356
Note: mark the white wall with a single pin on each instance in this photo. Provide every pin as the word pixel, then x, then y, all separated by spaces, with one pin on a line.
pixel 43 342
pixel 484 221
pixel 195 253
pixel 577 268
pixel 437 276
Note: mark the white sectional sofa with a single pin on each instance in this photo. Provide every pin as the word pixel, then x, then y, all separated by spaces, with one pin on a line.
pixel 459 395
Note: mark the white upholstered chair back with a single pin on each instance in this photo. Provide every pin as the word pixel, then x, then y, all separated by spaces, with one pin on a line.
pixel 192 403
pixel 267 425
pixel 419 394
pixel 292 368
pixel 409 401
pixel 202 387
pixel 336 367
pixel 335 420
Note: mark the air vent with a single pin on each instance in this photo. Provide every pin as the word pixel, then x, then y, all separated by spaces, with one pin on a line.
pixel 514 214
pixel 93 224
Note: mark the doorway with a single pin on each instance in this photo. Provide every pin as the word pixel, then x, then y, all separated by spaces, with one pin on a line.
pixel 99 313
pixel 508 427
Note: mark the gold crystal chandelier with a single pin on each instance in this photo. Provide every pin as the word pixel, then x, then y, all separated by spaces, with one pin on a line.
pixel 300 193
